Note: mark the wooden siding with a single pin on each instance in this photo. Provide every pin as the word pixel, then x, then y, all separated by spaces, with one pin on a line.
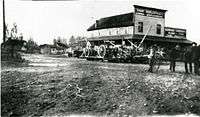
pixel 147 22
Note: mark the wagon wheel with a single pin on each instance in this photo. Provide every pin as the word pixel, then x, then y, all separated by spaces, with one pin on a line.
pixel 102 51
pixel 86 52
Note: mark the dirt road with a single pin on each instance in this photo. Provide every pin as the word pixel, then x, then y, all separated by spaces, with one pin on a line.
pixel 60 86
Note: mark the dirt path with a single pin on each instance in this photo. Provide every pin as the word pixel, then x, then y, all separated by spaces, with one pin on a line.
pixel 60 86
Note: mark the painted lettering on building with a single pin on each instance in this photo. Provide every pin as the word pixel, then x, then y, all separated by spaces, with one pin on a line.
pixel 175 33
pixel 112 31
pixel 149 13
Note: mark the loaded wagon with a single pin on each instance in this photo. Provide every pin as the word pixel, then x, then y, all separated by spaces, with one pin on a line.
pixel 115 52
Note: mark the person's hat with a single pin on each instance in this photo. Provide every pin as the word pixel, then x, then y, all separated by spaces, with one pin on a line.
pixel 194 43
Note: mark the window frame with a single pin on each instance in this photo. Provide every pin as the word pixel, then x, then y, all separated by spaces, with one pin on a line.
pixel 140 27
pixel 158 29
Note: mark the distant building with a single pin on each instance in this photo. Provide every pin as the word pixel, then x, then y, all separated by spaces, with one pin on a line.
pixel 52 49
pixel 45 49
pixel 133 26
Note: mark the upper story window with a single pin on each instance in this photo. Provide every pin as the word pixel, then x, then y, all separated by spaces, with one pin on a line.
pixel 126 31
pixel 117 32
pixel 99 33
pixel 140 26
pixel 110 32
pixel 158 29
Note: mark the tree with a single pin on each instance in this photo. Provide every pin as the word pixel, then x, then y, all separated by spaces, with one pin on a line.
pixel 14 32
pixel 79 38
pixel 7 33
pixel 54 42
pixel 14 42
pixel 31 46
pixel 72 40
pixel 64 41
pixel 59 40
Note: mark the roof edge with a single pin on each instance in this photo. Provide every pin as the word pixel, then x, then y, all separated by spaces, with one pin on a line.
pixel 150 8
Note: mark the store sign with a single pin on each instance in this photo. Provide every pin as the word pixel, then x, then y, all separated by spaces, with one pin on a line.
pixel 149 13
pixel 112 31
pixel 180 32
pixel 175 33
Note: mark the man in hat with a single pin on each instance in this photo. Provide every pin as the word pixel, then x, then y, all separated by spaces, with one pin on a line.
pixel 188 60
pixel 173 56
pixel 152 57
pixel 195 57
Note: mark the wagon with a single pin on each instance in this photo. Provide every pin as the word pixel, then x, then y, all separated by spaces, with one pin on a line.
pixel 115 53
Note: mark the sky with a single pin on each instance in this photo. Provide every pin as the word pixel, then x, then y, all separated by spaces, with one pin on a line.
pixel 46 20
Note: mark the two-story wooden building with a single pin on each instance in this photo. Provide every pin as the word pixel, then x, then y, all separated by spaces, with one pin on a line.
pixel 134 26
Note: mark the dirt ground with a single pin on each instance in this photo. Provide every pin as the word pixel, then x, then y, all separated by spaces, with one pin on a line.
pixel 59 86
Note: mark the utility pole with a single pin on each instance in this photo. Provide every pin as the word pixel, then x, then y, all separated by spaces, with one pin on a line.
pixel 4 23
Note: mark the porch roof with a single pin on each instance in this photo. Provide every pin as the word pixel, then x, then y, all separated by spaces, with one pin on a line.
pixel 139 38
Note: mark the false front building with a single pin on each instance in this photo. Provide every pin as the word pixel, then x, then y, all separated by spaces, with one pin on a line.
pixel 144 23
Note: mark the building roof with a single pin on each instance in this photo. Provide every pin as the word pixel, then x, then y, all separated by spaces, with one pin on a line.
pixel 164 39
pixel 44 45
pixel 150 8
pixel 122 20
pixel 53 46
pixel 139 38
pixel 62 45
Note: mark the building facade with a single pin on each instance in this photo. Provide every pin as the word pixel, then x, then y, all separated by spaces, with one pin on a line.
pixel 134 26
pixel 52 49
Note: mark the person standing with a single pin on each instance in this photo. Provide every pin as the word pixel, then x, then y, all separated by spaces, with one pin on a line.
pixel 173 56
pixel 152 58
pixel 195 58
pixel 198 61
pixel 187 60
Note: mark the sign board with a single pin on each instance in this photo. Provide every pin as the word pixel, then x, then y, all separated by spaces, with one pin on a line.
pixel 112 31
pixel 175 33
pixel 149 12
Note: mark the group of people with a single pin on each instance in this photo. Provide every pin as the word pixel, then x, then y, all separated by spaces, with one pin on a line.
pixel 191 57
pixel 155 53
